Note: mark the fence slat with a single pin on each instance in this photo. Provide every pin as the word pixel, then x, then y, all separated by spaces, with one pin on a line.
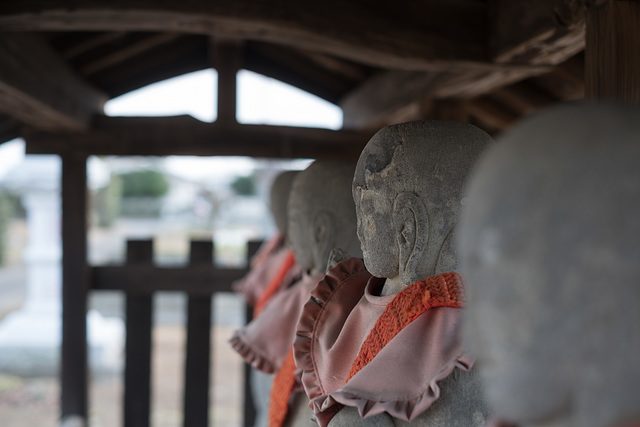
pixel 137 374
pixel 198 358
pixel 249 409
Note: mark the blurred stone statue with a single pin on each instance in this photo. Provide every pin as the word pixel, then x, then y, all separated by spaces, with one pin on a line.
pixel 272 270
pixel 321 217
pixel 384 350
pixel 550 242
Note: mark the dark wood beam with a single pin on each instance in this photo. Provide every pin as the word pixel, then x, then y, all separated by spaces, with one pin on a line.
pixel 90 43
pixel 404 34
pixel 377 101
pixel 536 32
pixel 75 286
pixel 523 98
pixel 38 89
pixel 537 36
pixel 612 56
pixel 130 51
pixel 299 69
pixel 491 113
pixel 9 129
pixel 203 280
pixel 184 135
pixel 226 57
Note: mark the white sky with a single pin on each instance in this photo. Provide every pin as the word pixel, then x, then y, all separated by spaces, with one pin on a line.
pixel 261 100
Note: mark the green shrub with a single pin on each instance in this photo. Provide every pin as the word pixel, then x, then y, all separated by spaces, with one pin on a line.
pixel 244 186
pixel 107 202
pixel 9 204
pixel 145 183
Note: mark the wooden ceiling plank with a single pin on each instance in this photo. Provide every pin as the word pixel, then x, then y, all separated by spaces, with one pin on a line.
pixel 91 43
pixel 536 32
pixel 383 94
pixel 130 51
pixel 353 30
pixel 612 59
pixel 297 62
pixel 491 113
pixel 523 98
pixel 184 135
pixel 38 89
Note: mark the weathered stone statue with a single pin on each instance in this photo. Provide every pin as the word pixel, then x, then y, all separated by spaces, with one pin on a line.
pixel 383 350
pixel 273 269
pixel 550 242
pixel 321 217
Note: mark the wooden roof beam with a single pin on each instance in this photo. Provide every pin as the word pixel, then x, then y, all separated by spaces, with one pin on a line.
pixel 379 99
pixel 402 34
pixel 130 51
pixel 184 135
pixel 491 113
pixel 38 89
pixel 537 32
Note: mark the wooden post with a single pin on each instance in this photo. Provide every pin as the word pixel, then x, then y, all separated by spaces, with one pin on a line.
pixel 137 373
pixel 226 58
pixel 612 53
pixel 249 408
pixel 73 375
pixel 198 358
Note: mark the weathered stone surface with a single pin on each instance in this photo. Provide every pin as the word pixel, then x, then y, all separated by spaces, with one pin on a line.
pixel 322 214
pixel 279 199
pixel 408 189
pixel 549 249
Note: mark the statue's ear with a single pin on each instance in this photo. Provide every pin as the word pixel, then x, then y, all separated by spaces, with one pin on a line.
pixel 323 238
pixel 410 224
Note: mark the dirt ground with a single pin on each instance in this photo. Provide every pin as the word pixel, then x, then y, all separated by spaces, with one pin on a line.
pixel 34 402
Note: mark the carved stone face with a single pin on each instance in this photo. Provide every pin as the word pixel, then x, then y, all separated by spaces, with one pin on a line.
pixel 374 211
pixel 300 235
pixel 322 214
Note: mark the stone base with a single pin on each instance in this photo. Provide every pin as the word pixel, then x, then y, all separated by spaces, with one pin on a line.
pixel 30 343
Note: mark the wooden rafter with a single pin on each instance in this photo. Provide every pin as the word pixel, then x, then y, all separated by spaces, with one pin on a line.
pixel 184 135
pixel 37 88
pixel 394 35
pixel 379 98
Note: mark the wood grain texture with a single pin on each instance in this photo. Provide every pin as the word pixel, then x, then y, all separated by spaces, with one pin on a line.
pixel 197 366
pixel 39 89
pixel 612 56
pixel 379 99
pixel 139 315
pixel 145 279
pixel 73 368
pixel 535 32
pixel 404 34
pixel 184 135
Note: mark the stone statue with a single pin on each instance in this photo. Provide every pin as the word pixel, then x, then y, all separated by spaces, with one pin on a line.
pixel 366 343
pixel 321 217
pixel 272 269
pixel 550 247
pixel 274 255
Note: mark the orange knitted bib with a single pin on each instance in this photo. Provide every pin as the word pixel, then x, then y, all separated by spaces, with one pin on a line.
pixel 443 290
pixel 274 284
pixel 281 390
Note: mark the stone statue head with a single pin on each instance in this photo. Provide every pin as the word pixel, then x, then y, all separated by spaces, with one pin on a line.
pixel 408 189
pixel 279 199
pixel 550 250
pixel 321 214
